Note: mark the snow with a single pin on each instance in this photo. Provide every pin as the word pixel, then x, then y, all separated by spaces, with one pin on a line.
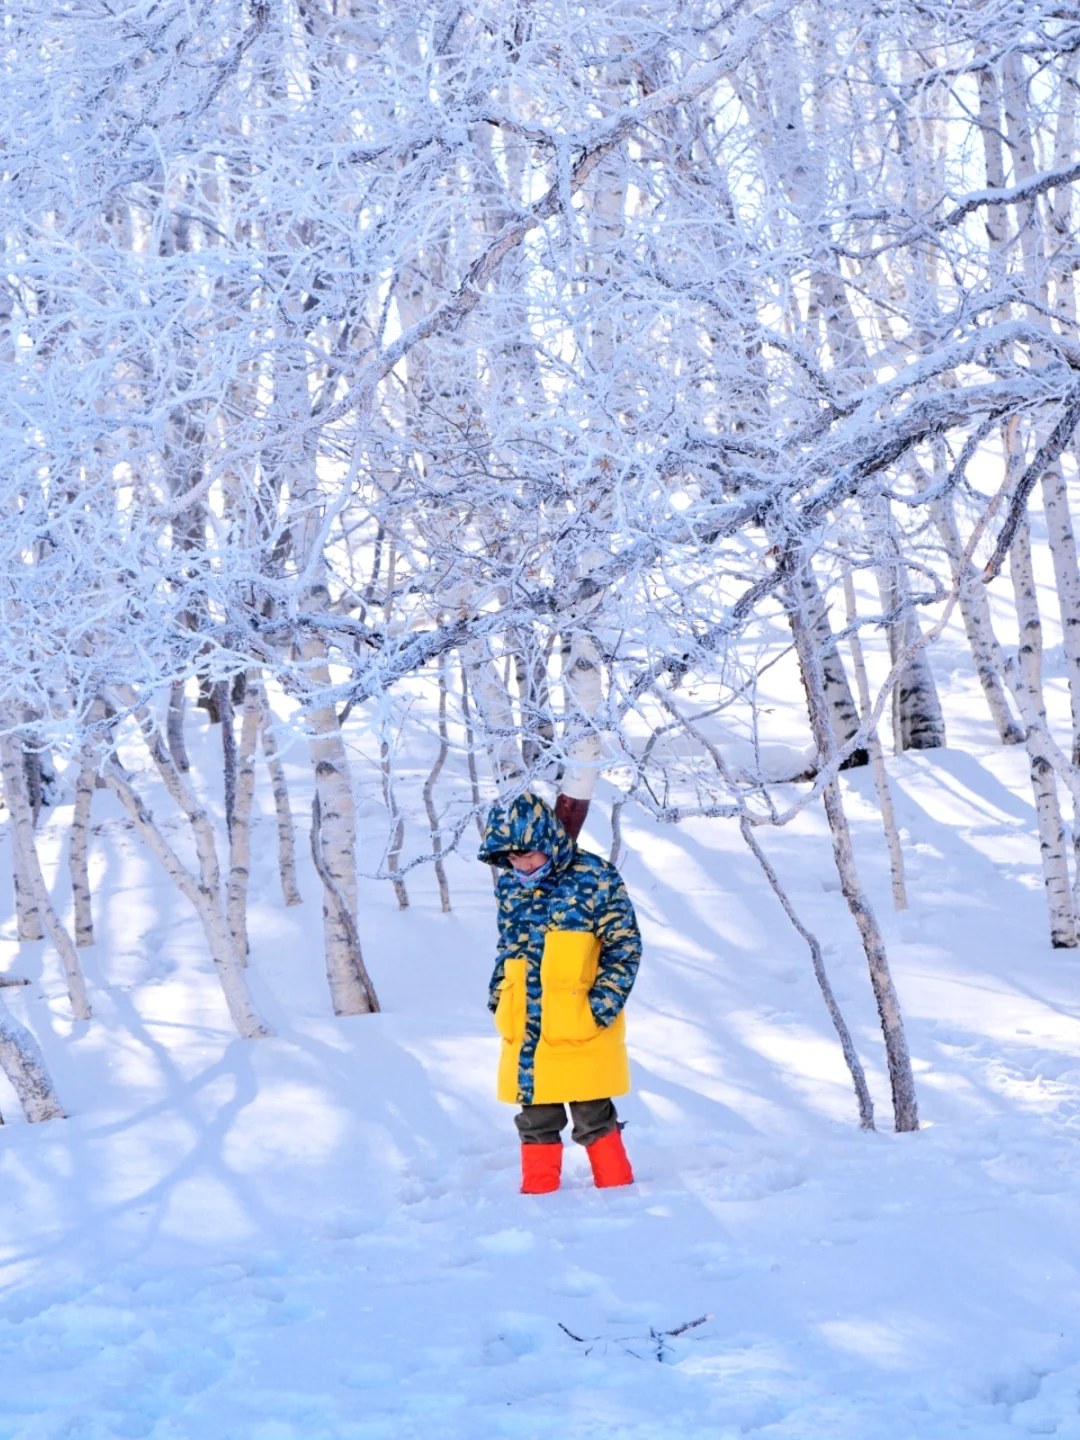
pixel 320 1235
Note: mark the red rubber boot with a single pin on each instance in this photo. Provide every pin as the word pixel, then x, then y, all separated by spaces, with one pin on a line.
pixel 541 1168
pixel 610 1167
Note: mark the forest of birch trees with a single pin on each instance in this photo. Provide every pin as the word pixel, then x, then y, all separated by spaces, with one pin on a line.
pixel 506 384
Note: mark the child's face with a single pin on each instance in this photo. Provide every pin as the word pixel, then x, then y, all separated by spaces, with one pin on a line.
pixel 526 861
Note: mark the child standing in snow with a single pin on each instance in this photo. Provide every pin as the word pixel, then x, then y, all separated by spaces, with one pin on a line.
pixel 569 949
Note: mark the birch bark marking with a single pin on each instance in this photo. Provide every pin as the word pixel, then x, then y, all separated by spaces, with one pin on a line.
pixel 918 722
pixel 583 683
pixel 371 1000
pixel 1055 865
pixel 397 825
pixel 337 843
pixel 174 727
pixel 901 1079
pixel 22 1062
pixel 1062 540
pixel 842 712
pixel 23 839
pixel 27 916
pixel 615 853
pixel 240 834
pixel 282 809
pixel 78 847
pixel 873 745
pixel 32 786
pixel 228 749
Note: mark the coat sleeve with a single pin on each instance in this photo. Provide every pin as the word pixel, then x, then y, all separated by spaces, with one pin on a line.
pixel 502 952
pixel 620 951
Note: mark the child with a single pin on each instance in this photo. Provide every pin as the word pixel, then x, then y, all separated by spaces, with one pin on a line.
pixel 568 953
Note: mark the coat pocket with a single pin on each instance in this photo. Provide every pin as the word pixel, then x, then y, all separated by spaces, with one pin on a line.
pixel 567 973
pixel 510 1011
pixel 566 1018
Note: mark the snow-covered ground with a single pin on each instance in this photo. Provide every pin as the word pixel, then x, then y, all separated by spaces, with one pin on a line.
pixel 319 1236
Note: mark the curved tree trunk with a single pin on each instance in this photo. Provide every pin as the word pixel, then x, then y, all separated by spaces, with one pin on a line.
pixel 901 1078
pixel 204 893
pixel 847 1045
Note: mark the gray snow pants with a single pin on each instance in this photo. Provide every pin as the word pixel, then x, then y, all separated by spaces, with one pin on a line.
pixel 543 1124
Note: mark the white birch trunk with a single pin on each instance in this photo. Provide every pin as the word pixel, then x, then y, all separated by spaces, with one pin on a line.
pixel 22 1062
pixel 470 753
pixel 337 845
pixel 615 853
pixel 847 1045
pixel 1062 915
pixel 397 819
pixel 978 624
pixel 918 711
pixel 240 835
pixel 397 826
pixel 79 839
pixel 23 839
pixel 174 728
pixel 583 683
pixel 918 722
pixel 429 792
pixel 1059 531
pixel 496 713
pixel 282 809
pixel 205 893
pixel 1059 527
pixel 877 758
pixel 839 701
pixel 228 748
pixel 78 851
pixel 371 1000
pixel 901 1079
pixel 334 816
pixel 27 915
pixel 1052 847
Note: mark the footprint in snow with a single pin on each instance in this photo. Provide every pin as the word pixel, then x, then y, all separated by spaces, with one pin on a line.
pixel 511 1334
pixel 755 1182
pixel 717 1261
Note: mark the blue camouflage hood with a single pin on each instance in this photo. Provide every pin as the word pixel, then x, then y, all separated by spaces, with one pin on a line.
pixel 527 823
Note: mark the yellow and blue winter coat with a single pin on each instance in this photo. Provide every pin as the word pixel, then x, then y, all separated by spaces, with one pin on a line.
pixel 569 949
